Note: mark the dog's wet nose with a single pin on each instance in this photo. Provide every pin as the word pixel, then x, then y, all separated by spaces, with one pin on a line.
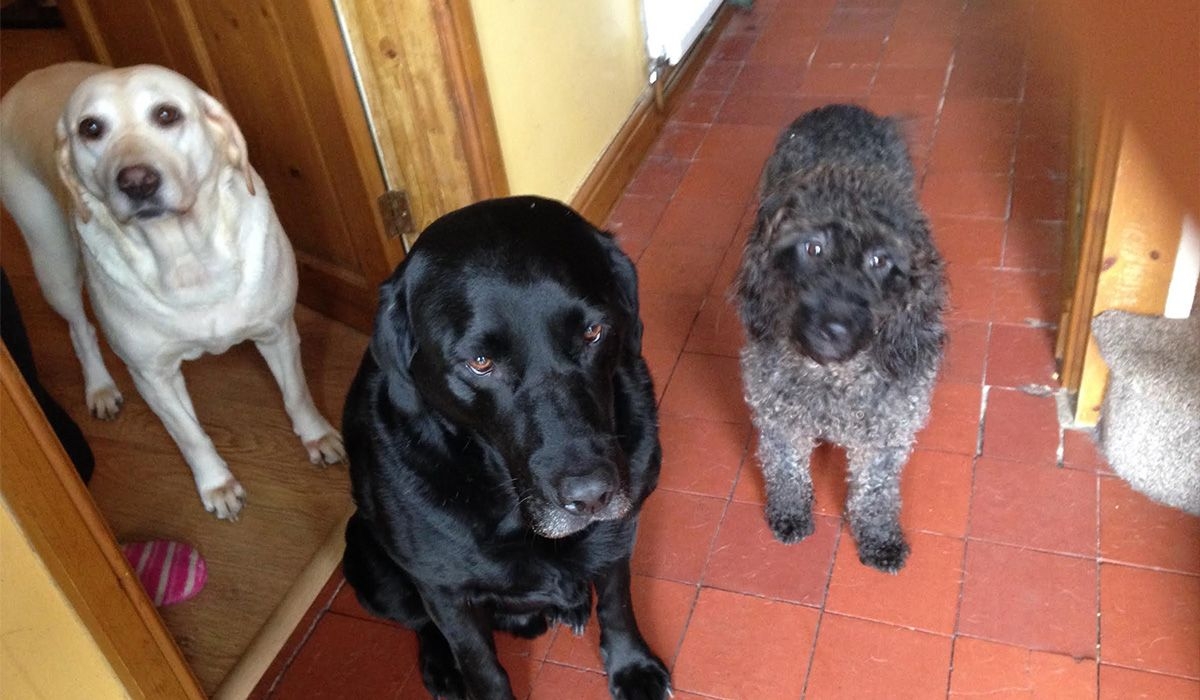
pixel 584 495
pixel 138 181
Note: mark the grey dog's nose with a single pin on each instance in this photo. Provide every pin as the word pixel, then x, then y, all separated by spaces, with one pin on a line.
pixel 138 181
pixel 835 332
pixel 584 495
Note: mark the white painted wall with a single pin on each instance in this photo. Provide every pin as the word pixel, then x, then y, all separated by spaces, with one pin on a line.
pixel 672 26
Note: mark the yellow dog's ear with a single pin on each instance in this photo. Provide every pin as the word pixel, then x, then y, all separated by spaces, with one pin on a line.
pixel 66 171
pixel 229 135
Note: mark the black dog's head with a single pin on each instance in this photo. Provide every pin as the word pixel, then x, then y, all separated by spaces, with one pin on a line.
pixel 837 260
pixel 509 321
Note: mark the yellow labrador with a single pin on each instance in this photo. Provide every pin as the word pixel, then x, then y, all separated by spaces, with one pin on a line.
pixel 147 176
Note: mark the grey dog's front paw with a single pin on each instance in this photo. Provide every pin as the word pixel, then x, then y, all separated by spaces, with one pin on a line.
pixel 789 527
pixel 887 555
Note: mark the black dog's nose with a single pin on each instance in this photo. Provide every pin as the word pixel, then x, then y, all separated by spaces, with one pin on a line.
pixel 835 332
pixel 138 181
pixel 584 495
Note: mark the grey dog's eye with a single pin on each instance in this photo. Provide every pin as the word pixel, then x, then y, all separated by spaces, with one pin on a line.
pixel 813 248
pixel 166 115
pixel 878 261
pixel 91 128
pixel 481 365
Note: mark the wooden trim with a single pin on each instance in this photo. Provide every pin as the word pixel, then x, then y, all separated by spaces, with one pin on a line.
pixel 464 67
pixel 428 103
pixel 598 194
pixel 52 506
pixel 263 649
pixel 83 28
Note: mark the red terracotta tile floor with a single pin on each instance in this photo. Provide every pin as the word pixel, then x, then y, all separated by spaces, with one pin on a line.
pixel 1035 572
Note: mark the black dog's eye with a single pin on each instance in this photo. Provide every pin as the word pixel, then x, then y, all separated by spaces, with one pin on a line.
pixel 878 261
pixel 91 128
pixel 481 365
pixel 813 248
pixel 593 333
pixel 166 115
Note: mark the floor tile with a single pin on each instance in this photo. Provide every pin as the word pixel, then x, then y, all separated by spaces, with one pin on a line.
pixel 1150 620
pixel 982 116
pixel 704 219
pixel 991 670
pixel 678 269
pixel 1040 506
pixel 749 142
pixel 1020 355
pixel 666 320
pixel 776 111
pixel 554 682
pixel 1118 683
pixel 923 595
pixel 658 177
pixel 717 75
pixel 970 291
pixel 862 659
pixel 1030 244
pixel 522 670
pixel 1022 296
pixel 633 221
pixel 718 328
pixel 966 350
pixel 967 242
pixel 780 635
pixel 1020 426
pixel 733 47
pixel 1136 530
pixel 954 419
pixel 1081 452
pixel 780 45
pixel 680 139
pixel 699 106
pixel 1039 199
pixel 842 80
pixel 968 150
pixel 1033 599
pixel 1041 156
pixel 662 608
pixel 675 533
pixel 329 592
pixel 935 490
pixel 701 456
pixel 373 658
pixel 746 558
pixel 848 50
pixel 759 78
pixel 708 387
pixel 966 194
pixel 731 179
pixel 909 80
pixel 918 51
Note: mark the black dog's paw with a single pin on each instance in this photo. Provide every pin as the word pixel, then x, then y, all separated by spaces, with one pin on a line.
pixel 575 617
pixel 442 678
pixel 789 527
pixel 887 555
pixel 644 679
pixel 524 626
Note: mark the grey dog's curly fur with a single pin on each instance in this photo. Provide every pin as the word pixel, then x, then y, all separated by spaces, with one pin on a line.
pixel 841 292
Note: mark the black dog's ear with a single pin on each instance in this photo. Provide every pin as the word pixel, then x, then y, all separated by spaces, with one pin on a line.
pixel 392 345
pixel 625 275
pixel 910 341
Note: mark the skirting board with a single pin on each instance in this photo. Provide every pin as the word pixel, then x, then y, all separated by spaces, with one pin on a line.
pixel 598 194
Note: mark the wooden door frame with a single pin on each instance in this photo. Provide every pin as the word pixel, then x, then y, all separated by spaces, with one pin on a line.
pixel 42 490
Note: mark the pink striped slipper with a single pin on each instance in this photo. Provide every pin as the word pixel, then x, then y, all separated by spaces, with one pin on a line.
pixel 171 572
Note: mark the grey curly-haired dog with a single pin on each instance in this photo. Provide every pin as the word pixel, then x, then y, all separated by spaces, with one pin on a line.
pixel 841 292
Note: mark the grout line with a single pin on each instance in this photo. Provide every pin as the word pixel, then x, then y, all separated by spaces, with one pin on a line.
pixel 308 633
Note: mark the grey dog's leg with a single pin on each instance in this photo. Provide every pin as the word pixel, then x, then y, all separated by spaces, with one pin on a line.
pixel 785 465
pixel 873 506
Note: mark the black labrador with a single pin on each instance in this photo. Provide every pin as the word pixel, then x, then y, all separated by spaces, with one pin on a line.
pixel 502 436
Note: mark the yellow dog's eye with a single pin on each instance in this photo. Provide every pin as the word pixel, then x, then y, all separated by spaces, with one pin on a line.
pixel 166 115
pixel 593 333
pixel 481 365
pixel 91 128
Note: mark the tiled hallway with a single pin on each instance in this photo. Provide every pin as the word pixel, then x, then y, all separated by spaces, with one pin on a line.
pixel 1034 572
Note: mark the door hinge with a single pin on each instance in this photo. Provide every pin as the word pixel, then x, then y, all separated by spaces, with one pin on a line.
pixel 397 218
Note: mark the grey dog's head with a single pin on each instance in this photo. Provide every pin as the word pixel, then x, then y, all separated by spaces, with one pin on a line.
pixel 835 257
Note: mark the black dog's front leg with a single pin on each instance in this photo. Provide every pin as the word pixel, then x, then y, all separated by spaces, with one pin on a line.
pixel 634 672
pixel 467 631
